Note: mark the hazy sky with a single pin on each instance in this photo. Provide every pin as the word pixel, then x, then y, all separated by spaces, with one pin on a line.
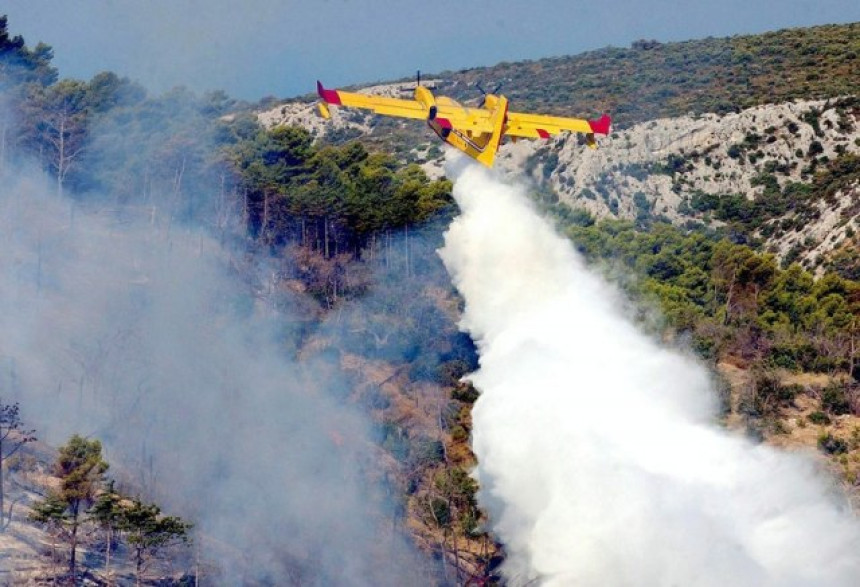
pixel 256 48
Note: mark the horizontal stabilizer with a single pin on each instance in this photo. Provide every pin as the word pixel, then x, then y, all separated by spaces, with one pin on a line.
pixel 328 96
pixel 601 125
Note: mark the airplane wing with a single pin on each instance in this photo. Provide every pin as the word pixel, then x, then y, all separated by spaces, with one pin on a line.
pixel 379 104
pixel 472 119
pixel 538 126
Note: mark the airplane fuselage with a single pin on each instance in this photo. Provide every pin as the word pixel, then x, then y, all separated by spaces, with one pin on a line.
pixel 479 145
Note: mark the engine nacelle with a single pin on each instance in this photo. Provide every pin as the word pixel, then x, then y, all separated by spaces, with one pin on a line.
pixel 426 98
pixel 491 101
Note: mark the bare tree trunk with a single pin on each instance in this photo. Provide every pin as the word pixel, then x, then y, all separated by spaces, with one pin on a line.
pixel 265 223
pixel 107 555
pixel 177 180
pixel 74 543
pixel 9 515
pixel 304 229
pixel 387 248
pixel 729 298
pixel 61 155
pixel 406 250
pixel 325 236
pixel 2 490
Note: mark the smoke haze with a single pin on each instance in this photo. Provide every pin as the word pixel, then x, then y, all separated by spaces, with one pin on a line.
pixel 598 455
pixel 117 326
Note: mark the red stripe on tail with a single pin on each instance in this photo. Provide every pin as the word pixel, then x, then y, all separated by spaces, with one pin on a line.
pixel 601 126
pixel 328 96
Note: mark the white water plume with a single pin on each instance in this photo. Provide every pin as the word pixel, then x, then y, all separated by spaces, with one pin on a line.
pixel 599 460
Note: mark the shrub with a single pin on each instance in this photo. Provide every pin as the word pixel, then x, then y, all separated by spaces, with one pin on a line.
pixel 440 511
pixel 771 394
pixel 465 392
pixel 815 148
pixel 831 444
pixel 459 434
pixel 834 400
pixel 427 451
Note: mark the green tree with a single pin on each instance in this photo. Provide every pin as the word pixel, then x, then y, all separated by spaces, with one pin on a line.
pixel 107 91
pixel 57 124
pixel 81 470
pixel 20 68
pixel 740 276
pixel 147 532
pixel 12 437
pixel 20 65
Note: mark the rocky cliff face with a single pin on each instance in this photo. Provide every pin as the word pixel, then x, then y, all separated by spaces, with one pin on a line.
pixel 662 166
pixel 718 155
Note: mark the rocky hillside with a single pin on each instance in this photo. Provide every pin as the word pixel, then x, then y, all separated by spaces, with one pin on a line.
pixel 24 546
pixel 688 169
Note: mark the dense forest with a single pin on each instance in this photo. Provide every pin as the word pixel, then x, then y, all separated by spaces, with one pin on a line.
pixel 347 222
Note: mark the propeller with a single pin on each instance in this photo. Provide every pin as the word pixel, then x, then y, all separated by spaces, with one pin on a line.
pixel 432 85
pixel 484 92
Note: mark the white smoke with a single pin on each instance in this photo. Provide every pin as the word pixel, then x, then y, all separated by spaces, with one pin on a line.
pixel 599 460
pixel 117 325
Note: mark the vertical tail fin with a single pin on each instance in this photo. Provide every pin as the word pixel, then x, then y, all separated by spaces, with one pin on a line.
pixel 497 119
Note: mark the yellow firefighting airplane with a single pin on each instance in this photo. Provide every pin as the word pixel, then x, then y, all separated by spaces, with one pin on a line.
pixel 478 131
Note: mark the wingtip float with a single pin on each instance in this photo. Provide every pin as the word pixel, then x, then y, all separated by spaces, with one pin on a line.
pixel 479 131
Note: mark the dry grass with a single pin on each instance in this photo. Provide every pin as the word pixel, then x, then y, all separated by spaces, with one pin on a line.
pixel 793 429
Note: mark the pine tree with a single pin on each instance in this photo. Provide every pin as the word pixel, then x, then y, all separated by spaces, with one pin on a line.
pixel 81 470
pixel 147 532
